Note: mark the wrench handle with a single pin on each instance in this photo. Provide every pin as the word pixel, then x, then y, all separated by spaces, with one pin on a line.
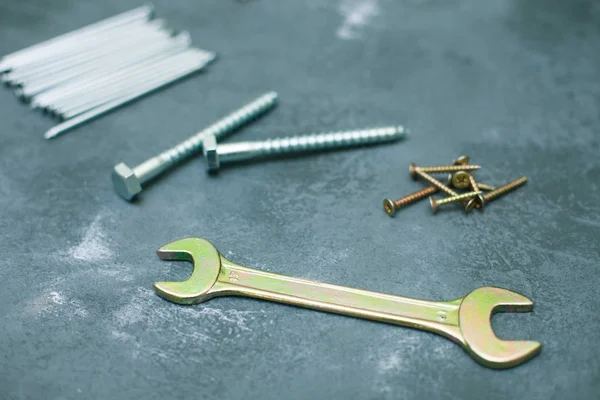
pixel 438 317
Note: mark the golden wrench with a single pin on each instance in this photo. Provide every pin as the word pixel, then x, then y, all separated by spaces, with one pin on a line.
pixel 465 321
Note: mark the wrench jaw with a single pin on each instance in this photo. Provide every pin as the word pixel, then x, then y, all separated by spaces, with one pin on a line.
pixel 207 266
pixel 480 341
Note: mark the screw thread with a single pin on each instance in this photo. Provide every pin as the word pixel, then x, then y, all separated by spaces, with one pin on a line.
pixel 435 182
pixel 502 190
pixel 411 198
pixel 449 168
pixel 322 141
pixel 484 186
pixel 221 128
pixel 473 183
pixel 460 197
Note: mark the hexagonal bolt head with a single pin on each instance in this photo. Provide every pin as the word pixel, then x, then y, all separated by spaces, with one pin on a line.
pixel 126 183
pixel 211 156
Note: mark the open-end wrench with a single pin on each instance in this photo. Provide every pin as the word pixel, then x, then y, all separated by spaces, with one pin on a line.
pixel 466 321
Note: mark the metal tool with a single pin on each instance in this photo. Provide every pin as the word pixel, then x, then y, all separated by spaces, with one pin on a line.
pixel 465 321
pixel 113 105
pixel 215 154
pixel 128 182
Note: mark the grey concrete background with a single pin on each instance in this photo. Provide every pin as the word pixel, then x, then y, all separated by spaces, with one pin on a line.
pixel 514 84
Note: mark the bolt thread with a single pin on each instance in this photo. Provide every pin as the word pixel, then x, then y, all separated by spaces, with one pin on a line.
pixel 220 128
pixel 502 190
pixel 460 197
pixel 435 182
pixel 330 140
pixel 411 198
pixel 449 168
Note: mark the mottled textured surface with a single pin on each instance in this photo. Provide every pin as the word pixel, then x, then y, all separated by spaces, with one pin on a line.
pixel 512 83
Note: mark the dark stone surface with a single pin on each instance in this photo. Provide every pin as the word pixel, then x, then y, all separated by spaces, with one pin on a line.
pixel 512 83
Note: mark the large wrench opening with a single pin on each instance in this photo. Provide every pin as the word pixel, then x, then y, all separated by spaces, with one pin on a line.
pixel 465 320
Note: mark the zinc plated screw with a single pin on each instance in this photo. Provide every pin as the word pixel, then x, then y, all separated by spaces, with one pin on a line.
pixel 128 182
pixel 436 203
pixel 502 190
pixel 446 168
pixel 215 154
pixel 391 206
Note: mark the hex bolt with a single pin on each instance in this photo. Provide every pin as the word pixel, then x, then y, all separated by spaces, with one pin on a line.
pixel 436 203
pixel 391 206
pixel 215 154
pixel 128 182
pixel 502 190
pixel 447 168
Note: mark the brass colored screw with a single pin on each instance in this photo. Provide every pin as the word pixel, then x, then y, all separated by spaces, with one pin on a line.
pixel 485 186
pixel 391 206
pixel 479 200
pixel 460 180
pixel 502 190
pixel 446 168
pixel 436 203
pixel 462 160
pixel 435 182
